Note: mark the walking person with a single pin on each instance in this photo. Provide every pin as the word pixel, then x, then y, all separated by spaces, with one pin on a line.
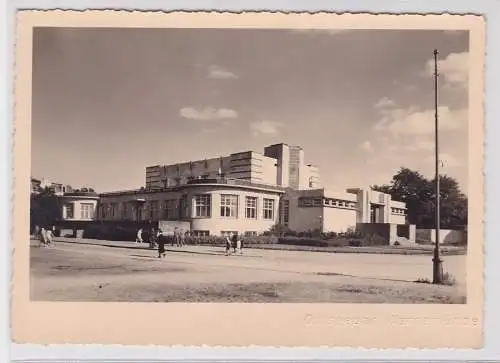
pixel 49 237
pixel 239 244
pixel 138 239
pixel 228 245
pixel 234 241
pixel 152 237
pixel 43 238
pixel 182 238
pixel 161 244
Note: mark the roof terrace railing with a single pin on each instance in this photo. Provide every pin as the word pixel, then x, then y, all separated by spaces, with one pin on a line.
pixel 234 181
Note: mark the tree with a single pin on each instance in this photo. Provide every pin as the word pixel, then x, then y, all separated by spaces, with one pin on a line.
pixel 45 208
pixel 418 193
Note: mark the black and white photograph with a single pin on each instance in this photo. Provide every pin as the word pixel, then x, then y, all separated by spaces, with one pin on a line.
pixel 242 165
pixel 251 165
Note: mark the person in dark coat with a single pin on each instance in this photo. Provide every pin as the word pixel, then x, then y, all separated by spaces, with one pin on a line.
pixel 161 244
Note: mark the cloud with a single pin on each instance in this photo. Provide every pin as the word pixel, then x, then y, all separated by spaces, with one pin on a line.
pixel 385 103
pixel 208 113
pixel 265 127
pixel 454 69
pixel 400 122
pixel 367 146
pixel 217 72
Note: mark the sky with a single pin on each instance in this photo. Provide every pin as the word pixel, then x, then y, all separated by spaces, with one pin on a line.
pixel 109 102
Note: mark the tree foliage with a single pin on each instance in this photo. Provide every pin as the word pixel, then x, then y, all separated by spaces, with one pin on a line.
pixel 45 208
pixel 419 193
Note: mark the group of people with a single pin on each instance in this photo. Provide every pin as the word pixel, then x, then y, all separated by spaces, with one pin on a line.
pixel 157 239
pixel 45 236
pixel 234 241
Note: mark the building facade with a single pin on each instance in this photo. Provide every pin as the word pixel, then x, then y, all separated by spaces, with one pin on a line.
pixel 327 211
pixel 212 206
pixel 79 206
pixel 249 192
pixel 281 165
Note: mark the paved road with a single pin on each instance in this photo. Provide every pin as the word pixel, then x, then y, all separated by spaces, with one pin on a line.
pixel 275 262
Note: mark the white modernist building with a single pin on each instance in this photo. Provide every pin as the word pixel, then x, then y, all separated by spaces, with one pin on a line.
pixel 248 193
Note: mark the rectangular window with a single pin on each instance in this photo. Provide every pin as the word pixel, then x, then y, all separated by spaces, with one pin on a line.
pixel 113 209
pixel 227 233
pixel 229 206
pixel 200 233
pixel 286 211
pixel 87 210
pixel 153 210
pixel 251 207
pixel 70 212
pixel 169 209
pixel 124 211
pixel 250 233
pixel 268 209
pixel 203 205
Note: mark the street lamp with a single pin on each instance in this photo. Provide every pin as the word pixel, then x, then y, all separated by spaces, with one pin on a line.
pixel 437 262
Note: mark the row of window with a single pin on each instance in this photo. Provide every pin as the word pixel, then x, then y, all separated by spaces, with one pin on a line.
pixel 171 209
pixel 200 233
pixel 305 202
pixel 398 211
pixel 229 206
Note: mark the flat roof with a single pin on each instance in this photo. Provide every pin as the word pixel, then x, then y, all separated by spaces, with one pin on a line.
pixel 236 184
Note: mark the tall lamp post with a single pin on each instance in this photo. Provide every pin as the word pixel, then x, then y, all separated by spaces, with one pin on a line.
pixel 437 271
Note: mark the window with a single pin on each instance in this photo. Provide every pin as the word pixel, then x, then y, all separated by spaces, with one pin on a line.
pixel 286 211
pixel 250 233
pixel 268 208
pixel 227 233
pixel 203 205
pixel 70 212
pixel 229 206
pixel 87 210
pixel 124 211
pixel 113 209
pixel 200 233
pixel 169 209
pixel 153 209
pixel 251 207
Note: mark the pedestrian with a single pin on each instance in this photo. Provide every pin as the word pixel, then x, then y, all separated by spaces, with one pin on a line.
pixel 139 236
pixel 43 237
pixel 239 244
pixel 228 245
pixel 234 240
pixel 49 237
pixel 182 238
pixel 152 235
pixel 37 232
pixel 161 244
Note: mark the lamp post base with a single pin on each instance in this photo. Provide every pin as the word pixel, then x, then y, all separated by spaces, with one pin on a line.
pixel 437 270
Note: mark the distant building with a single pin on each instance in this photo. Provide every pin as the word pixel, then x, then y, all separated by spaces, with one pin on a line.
pixel 37 185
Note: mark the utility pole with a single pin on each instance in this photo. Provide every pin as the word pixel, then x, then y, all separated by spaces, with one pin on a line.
pixel 437 271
